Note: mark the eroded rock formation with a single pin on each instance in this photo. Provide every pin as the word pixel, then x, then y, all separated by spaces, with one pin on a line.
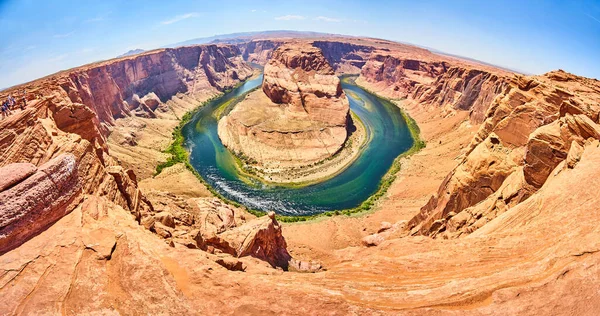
pixel 300 116
pixel 34 198
pixel 528 125
pixel 528 131
pixel 525 190
pixel 55 150
pixel 434 82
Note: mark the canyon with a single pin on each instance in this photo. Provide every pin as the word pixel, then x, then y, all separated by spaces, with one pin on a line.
pixel 496 215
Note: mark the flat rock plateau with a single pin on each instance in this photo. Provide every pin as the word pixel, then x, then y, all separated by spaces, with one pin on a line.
pixel 498 215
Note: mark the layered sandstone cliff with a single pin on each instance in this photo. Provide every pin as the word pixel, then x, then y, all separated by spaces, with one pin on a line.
pixel 525 190
pixel 531 127
pixel 299 117
pixel 344 56
pixel 259 51
pixel 528 126
pixel 72 113
pixel 435 81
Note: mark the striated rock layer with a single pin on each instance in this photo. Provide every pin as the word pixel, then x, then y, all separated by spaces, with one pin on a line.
pixel 36 199
pixel 300 116
pixel 72 113
pixel 523 194
pixel 529 129
pixel 344 56
pixel 528 125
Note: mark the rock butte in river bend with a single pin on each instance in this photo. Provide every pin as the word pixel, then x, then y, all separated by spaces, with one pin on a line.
pixel 299 117
pixel 497 215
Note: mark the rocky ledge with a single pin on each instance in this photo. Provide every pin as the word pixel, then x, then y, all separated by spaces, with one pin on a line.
pixel 55 156
pixel 298 119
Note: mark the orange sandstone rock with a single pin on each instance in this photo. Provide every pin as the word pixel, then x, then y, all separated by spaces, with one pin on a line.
pixel 300 116
pixel 38 200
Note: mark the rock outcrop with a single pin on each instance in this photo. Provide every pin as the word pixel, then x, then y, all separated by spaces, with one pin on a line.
pixel 434 82
pixel 524 191
pixel 14 174
pixel 300 117
pixel 34 198
pixel 261 238
pixel 299 77
pixel 59 140
pixel 528 131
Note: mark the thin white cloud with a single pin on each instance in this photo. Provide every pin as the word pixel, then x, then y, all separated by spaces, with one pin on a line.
pixel 592 17
pixel 253 10
pixel 290 17
pixel 180 18
pixel 30 47
pixel 327 19
pixel 63 35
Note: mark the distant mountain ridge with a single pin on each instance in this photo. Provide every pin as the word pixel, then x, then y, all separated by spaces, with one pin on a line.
pixel 233 38
pixel 240 37
pixel 132 52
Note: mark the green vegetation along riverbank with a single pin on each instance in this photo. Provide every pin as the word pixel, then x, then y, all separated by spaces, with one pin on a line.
pixel 180 154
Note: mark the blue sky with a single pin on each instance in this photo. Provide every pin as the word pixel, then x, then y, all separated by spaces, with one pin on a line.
pixel 41 37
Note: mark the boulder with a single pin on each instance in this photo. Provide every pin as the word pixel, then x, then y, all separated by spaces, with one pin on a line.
pixel 372 240
pixel 261 238
pixel 227 217
pixel 162 230
pixel 384 226
pixel 231 264
pixel 38 200
pixel 151 101
pixel 165 218
pixel 212 215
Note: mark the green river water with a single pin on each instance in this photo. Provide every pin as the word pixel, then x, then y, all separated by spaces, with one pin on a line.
pixel 388 137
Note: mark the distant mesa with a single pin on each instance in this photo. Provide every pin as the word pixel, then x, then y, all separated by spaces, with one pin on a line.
pixel 132 52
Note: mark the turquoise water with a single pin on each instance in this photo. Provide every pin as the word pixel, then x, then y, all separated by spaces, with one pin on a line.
pixel 387 131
